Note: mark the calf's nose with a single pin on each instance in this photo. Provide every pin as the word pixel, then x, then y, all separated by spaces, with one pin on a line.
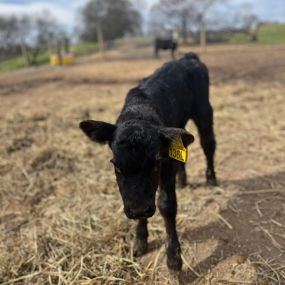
pixel 144 212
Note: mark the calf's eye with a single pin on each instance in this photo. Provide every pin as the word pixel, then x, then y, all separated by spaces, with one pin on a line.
pixel 117 170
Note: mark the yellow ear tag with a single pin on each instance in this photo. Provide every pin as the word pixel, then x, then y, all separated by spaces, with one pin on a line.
pixel 177 150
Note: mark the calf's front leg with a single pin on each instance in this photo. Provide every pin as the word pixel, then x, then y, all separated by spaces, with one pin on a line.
pixel 181 176
pixel 140 246
pixel 168 208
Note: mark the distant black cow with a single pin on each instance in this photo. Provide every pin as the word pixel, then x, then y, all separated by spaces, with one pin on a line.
pixel 155 113
pixel 165 44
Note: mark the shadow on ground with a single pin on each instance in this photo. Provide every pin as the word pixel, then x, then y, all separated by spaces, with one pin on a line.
pixel 256 215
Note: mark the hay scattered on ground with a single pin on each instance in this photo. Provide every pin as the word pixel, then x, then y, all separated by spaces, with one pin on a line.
pixel 61 218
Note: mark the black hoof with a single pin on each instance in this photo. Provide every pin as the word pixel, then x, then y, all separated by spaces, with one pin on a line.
pixel 181 184
pixel 174 260
pixel 174 263
pixel 212 182
pixel 140 247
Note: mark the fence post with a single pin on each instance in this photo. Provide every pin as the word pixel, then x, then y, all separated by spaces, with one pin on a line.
pixel 203 38
pixel 25 53
pixel 100 39
pixel 58 50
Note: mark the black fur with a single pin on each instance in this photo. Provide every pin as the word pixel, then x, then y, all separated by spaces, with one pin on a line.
pixel 156 112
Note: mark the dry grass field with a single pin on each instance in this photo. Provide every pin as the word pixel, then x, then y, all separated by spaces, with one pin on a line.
pixel 61 218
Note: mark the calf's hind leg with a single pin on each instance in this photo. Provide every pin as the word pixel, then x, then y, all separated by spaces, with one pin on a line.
pixel 204 124
pixel 140 246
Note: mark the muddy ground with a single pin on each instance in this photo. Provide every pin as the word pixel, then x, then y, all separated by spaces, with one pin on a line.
pixel 61 217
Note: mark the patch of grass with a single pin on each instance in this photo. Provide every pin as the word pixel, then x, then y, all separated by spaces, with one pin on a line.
pixel 19 62
pixel 84 48
pixel 12 64
pixel 43 58
pixel 272 34
pixel 267 34
pixel 239 38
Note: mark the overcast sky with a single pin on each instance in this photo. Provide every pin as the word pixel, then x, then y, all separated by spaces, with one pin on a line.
pixel 66 11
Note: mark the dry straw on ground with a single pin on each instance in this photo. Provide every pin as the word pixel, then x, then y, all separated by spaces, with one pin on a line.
pixel 61 218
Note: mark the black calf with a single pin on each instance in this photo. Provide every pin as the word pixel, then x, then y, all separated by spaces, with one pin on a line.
pixel 165 44
pixel 155 113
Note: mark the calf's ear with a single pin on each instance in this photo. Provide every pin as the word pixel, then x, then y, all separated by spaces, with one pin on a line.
pixel 98 131
pixel 169 134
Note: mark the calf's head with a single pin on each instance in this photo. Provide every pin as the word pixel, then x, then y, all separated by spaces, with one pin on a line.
pixel 137 152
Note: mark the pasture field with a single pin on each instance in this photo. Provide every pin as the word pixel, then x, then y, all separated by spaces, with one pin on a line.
pixel 61 216
pixel 44 57
pixel 267 34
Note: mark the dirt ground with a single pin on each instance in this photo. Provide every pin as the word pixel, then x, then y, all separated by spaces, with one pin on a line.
pixel 61 217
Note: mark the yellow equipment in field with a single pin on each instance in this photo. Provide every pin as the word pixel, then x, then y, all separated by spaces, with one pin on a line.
pixel 64 59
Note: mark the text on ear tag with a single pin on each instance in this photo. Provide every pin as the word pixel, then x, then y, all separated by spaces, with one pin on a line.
pixel 177 150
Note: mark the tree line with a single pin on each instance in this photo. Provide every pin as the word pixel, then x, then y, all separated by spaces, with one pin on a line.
pixel 107 20
pixel 28 35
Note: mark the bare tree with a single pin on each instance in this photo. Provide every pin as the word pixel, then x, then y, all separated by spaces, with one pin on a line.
pixel 45 33
pixel 168 14
pixel 113 18
pixel 250 26
pixel 202 7
pixel 13 31
pixel 246 21
pixel 28 35
pixel 184 13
